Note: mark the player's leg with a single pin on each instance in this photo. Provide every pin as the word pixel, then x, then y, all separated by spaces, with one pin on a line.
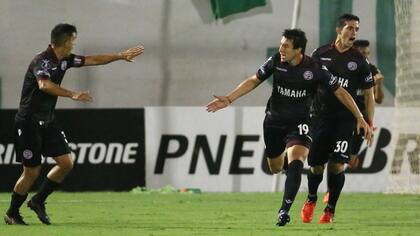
pixel 298 142
pixel 336 166
pixel 336 181
pixel 318 156
pixel 296 156
pixel 28 152
pixel 55 145
pixel 274 148
pixel 357 141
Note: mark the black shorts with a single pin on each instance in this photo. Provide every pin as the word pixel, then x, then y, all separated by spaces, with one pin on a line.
pixel 332 140
pixel 33 139
pixel 277 138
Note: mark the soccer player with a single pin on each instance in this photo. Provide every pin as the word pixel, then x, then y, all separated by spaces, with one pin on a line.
pixel 37 132
pixel 363 47
pixel 296 78
pixel 333 124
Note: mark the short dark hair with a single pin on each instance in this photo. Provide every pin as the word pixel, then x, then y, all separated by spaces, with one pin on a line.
pixel 62 32
pixel 298 37
pixel 346 17
pixel 361 43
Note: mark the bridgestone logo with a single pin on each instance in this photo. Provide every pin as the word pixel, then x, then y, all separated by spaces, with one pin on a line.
pixel 92 153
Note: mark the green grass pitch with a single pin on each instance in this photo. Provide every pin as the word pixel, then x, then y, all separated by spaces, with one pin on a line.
pixel 126 213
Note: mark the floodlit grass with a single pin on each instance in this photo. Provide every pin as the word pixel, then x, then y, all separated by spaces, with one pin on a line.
pixel 126 213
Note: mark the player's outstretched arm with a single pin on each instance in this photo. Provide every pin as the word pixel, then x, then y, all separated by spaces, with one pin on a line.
pixel 52 88
pixel 243 88
pixel 127 55
pixel 349 102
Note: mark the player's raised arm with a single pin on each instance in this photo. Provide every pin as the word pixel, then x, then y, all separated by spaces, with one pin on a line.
pixel 127 55
pixel 243 88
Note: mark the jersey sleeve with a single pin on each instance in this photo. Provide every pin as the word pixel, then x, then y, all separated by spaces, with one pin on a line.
pixel 329 80
pixel 373 69
pixel 40 69
pixel 266 69
pixel 366 76
pixel 75 61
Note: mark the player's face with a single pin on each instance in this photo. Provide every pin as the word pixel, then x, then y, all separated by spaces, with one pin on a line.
pixel 287 52
pixel 364 51
pixel 348 33
pixel 69 44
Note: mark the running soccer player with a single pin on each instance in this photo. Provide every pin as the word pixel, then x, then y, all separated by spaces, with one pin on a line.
pixel 296 78
pixel 36 130
pixel 333 124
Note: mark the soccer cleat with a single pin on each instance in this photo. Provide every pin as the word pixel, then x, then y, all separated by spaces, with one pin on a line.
pixel 326 217
pixel 14 219
pixel 307 212
pixel 39 209
pixel 326 197
pixel 283 219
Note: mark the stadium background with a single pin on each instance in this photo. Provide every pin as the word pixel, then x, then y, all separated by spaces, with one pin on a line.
pixel 189 56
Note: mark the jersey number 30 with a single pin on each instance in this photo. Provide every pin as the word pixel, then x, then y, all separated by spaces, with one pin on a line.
pixel 341 146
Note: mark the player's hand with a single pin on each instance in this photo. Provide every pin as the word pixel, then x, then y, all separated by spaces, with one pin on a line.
pixel 218 103
pixel 361 124
pixel 132 53
pixel 353 162
pixel 82 96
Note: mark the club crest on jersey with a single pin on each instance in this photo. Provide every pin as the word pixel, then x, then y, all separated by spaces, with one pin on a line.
pixel 63 65
pixel 308 75
pixel 45 64
pixel 27 154
pixel 352 66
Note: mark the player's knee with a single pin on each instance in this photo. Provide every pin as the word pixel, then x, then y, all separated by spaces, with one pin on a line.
pixel 275 164
pixel 317 170
pixel 66 166
pixel 275 169
pixel 297 155
pixel 335 168
pixel 31 173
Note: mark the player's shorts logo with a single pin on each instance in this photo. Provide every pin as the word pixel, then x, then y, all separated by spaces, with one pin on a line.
pixel 63 65
pixel 27 154
pixel 352 66
pixel 308 75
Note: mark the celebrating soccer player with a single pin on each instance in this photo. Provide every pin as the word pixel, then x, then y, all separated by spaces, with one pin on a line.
pixel 296 78
pixel 36 130
pixel 333 124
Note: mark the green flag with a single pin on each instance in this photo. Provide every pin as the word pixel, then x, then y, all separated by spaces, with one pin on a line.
pixel 222 8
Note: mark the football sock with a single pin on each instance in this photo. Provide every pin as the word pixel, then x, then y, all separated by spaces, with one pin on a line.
pixel 16 202
pixel 335 185
pixel 292 184
pixel 313 184
pixel 47 187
